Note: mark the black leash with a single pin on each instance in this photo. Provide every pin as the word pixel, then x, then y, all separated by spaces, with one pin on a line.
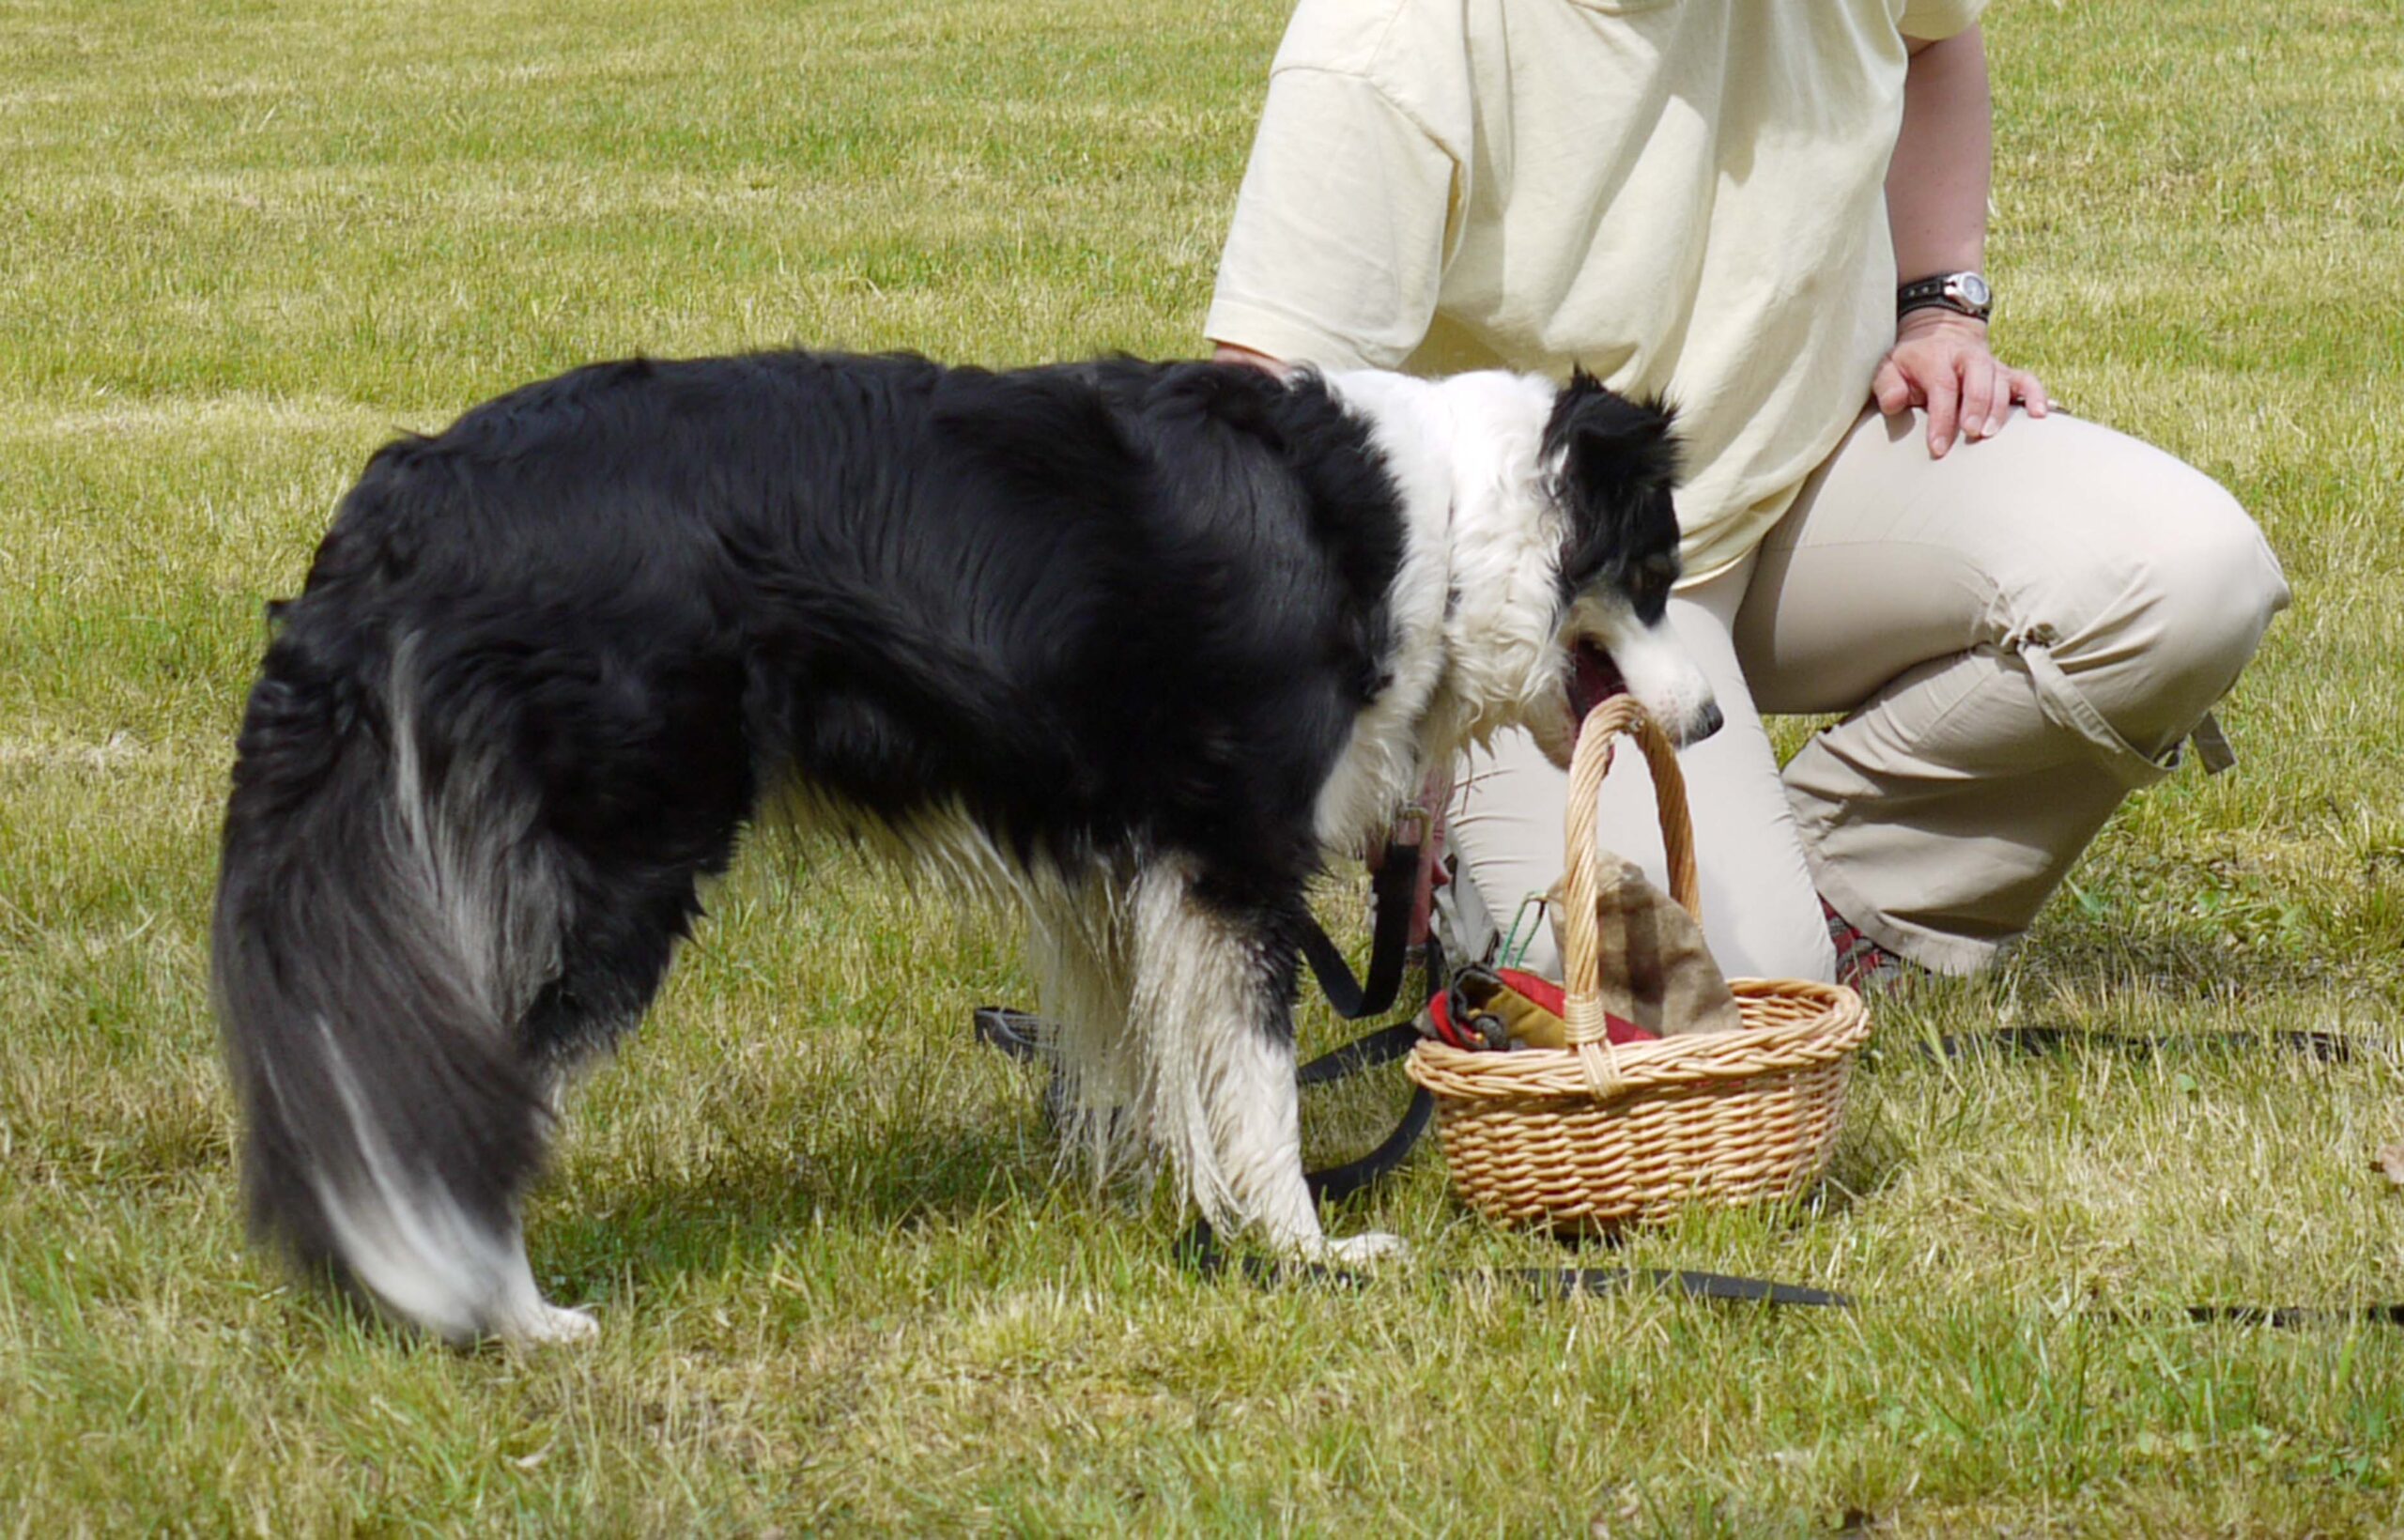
pixel 2290 1317
pixel 2327 1047
pixel 1022 1036
pixel 1382 1047
pixel 1385 1045
pixel 1337 1182
pixel 1019 1034
pixel 1393 890
pixel 1200 1251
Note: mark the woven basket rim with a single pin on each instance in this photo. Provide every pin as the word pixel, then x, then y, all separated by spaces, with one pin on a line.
pixel 1828 1035
pixel 1796 1036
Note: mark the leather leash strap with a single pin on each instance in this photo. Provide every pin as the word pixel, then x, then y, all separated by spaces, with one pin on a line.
pixel 1393 890
pixel 1013 1033
pixel 1021 1036
pixel 1200 1251
pixel 2328 1047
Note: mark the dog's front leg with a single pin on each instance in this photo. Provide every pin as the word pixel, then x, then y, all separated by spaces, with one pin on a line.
pixel 1254 1109
pixel 1213 996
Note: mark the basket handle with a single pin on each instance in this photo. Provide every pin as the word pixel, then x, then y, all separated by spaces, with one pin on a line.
pixel 1582 1006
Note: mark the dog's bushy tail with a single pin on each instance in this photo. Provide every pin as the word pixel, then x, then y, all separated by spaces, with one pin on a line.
pixel 383 910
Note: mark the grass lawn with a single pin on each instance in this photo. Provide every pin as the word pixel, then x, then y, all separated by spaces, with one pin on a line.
pixel 242 241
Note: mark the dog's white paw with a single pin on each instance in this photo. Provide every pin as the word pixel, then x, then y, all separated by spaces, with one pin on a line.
pixel 1375 1246
pixel 548 1325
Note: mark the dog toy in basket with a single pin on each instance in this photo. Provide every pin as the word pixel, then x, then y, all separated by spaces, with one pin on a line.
pixel 1497 1009
pixel 1602 1132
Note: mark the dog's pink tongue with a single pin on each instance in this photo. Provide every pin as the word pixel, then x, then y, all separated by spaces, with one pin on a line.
pixel 1593 679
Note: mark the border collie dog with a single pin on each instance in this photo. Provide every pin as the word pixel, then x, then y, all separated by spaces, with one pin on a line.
pixel 1137 647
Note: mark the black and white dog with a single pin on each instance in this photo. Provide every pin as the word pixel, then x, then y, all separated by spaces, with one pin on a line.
pixel 1136 646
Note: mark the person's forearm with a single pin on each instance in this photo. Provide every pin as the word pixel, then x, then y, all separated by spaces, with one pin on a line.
pixel 1227 352
pixel 1936 185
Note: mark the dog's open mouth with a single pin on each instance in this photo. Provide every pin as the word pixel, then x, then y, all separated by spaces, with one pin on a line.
pixel 1593 679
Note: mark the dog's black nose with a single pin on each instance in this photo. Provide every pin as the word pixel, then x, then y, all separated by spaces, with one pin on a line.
pixel 1706 722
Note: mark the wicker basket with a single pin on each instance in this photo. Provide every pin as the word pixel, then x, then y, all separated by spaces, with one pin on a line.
pixel 1598 1136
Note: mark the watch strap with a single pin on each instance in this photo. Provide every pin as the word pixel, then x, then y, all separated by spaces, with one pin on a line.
pixel 1947 290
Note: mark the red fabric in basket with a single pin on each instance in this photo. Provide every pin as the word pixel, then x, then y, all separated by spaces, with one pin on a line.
pixel 1546 994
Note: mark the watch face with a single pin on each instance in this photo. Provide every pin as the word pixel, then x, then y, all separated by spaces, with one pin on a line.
pixel 1973 289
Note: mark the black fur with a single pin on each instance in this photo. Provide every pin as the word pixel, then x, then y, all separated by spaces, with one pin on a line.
pixel 1619 464
pixel 549 661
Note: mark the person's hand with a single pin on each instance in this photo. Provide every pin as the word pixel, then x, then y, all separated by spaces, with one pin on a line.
pixel 1940 360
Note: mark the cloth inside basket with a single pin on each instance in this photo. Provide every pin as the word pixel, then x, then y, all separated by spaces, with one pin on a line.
pixel 1656 972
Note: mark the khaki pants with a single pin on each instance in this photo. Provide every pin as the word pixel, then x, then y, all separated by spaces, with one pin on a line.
pixel 2020 633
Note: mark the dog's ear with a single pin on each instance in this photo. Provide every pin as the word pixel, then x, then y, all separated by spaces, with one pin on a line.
pixel 1615 461
pixel 1609 447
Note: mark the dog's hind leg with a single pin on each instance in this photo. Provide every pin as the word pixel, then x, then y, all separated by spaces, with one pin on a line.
pixel 374 937
pixel 1214 999
pixel 1081 966
pixel 416 925
pixel 611 962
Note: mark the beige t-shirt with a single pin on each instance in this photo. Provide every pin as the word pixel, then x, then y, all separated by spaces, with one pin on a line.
pixel 1686 196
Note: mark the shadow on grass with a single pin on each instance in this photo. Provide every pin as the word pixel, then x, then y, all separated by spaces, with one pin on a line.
pixel 2183 965
pixel 1869 1155
pixel 759 1192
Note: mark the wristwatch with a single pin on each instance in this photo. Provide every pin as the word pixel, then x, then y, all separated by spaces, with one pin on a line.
pixel 1963 293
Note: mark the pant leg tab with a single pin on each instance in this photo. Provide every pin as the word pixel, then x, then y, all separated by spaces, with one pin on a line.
pixel 2213 748
pixel 2069 709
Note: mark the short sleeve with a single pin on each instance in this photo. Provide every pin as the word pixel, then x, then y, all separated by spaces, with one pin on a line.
pixel 1336 253
pixel 1933 21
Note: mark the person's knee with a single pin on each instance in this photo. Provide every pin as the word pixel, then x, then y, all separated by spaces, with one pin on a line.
pixel 2217 587
pixel 1794 955
pixel 1752 937
pixel 2219 580
pixel 2182 610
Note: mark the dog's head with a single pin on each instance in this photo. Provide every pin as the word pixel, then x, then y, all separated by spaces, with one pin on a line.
pixel 1610 464
pixel 1562 544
